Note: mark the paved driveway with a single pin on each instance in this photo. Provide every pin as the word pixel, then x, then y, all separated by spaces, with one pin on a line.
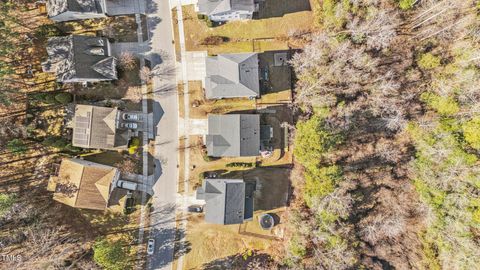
pixel 197 127
pixel 196 70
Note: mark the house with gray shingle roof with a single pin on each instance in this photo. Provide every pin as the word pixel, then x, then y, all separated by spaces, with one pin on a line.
pixel 233 135
pixel 70 10
pixel 227 10
pixel 102 127
pixel 80 59
pixel 227 201
pixel 232 76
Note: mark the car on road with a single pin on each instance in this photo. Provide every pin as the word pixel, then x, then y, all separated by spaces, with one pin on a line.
pixel 151 246
pixel 195 208
pixel 132 117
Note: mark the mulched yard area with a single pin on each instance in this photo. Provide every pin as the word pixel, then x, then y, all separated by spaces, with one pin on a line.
pixel 121 28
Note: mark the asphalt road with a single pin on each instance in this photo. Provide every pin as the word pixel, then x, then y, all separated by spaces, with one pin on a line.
pixel 165 110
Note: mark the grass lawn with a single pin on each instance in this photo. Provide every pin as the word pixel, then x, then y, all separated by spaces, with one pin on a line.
pixel 109 158
pixel 115 226
pixel 270 33
pixel 284 96
pixel 210 242
pixel 199 165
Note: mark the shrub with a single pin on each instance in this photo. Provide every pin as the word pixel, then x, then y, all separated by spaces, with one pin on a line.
pixel 39 96
pixel 214 40
pixel 206 157
pixel 134 144
pixel 320 182
pixel 111 255
pixel 313 141
pixel 5 100
pixel 209 22
pixel 71 148
pixel 428 61
pixel 406 4
pixel 6 202
pixel 63 98
pixel 56 142
pixel 50 99
pixel 16 146
pixel 241 164
pixel 202 176
pixel 442 105
pixel 47 30
pixel 471 132
pixel 201 16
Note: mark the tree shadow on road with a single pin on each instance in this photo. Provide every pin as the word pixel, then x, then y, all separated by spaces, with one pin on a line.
pixel 170 245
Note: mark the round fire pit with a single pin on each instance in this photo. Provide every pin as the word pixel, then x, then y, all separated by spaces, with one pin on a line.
pixel 266 221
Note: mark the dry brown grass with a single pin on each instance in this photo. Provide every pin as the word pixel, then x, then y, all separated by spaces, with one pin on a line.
pixel 200 107
pixel 210 242
pixel 270 34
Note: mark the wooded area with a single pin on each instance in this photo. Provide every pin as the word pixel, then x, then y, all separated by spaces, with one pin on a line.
pixel 388 140
pixel 45 234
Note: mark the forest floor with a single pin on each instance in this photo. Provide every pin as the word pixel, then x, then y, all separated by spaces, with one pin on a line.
pixel 70 232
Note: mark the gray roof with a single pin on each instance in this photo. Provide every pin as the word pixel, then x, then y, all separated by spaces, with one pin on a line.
pixel 57 7
pixel 96 127
pixel 232 75
pixel 233 135
pixel 211 7
pixel 225 201
pixel 80 57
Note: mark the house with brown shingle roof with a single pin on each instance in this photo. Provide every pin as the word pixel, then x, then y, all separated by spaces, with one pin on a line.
pixel 83 184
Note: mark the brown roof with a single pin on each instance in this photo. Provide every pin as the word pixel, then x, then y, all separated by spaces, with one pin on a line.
pixel 83 184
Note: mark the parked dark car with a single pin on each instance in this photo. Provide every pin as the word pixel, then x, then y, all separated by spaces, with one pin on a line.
pixel 195 208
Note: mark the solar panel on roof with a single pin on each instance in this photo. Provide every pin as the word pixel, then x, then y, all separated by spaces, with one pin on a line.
pixel 80 142
pixel 80 131
pixel 82 119
pixel 80 136
pixel 81 125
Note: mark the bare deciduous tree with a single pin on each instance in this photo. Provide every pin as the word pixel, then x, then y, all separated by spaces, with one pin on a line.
pixel 127 61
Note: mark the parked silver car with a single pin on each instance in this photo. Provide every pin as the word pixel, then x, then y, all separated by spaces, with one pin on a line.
pixel 151 246
pixel 129 125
